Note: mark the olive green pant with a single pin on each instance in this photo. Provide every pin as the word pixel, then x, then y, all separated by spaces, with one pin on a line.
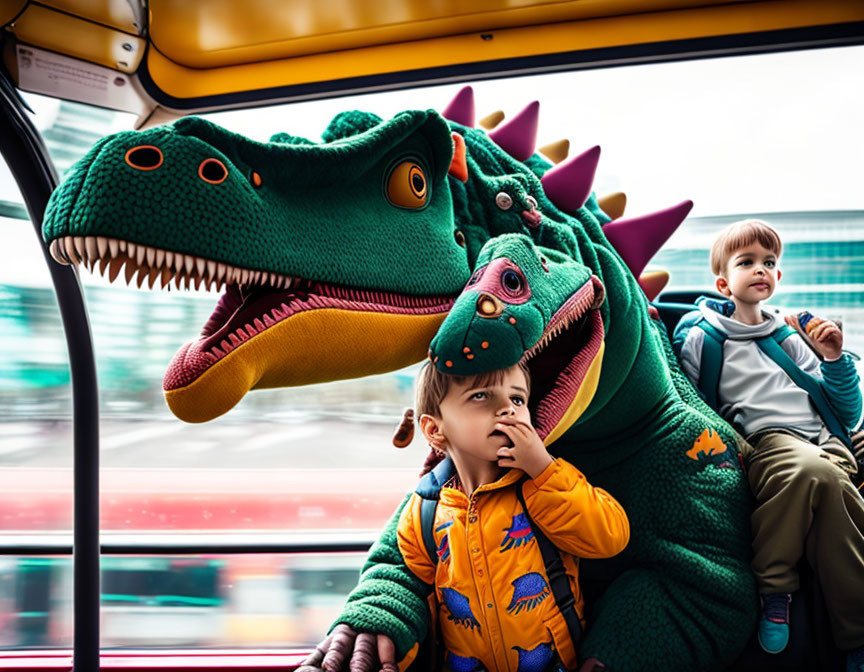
pixel 806 503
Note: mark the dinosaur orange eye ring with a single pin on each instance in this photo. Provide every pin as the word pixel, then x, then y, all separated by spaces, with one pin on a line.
pixel 406 186
pixel 212 171
pixel 144 157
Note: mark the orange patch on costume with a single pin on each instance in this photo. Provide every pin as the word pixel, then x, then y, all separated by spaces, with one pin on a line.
pixel 708 443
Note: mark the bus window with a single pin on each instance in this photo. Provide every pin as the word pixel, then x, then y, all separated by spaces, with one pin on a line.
pixel 741 136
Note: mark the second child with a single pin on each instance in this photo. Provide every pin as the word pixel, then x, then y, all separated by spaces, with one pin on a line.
pixel 796 412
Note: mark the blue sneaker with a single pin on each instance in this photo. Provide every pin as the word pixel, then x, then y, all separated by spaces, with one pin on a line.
pixel 855 660
pixel 773 632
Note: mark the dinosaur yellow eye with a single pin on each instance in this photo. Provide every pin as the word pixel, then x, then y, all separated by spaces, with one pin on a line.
pixel 406 186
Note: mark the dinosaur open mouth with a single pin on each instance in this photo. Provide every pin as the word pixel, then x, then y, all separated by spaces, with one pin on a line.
pixel 253 301
pixel 574 335
pixel 243 313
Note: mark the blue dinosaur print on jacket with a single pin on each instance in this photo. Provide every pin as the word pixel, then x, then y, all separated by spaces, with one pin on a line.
pixel 534 660
pixel 443 549
pixel 460 608
pixel 518 533
pixel 529 590
pixel 462 663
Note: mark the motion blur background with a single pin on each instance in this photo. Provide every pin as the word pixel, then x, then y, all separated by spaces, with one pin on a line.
pixel 776 136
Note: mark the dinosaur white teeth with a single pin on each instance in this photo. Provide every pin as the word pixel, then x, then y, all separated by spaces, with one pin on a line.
pixel 102 246
pixel 200 265
pixel 114 246
pixel 56 254
pixel 58 251
pixel 130 250
pixel 140 253
pixel 151 255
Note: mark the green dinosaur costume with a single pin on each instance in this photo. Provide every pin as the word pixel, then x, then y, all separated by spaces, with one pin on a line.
pixel 343 259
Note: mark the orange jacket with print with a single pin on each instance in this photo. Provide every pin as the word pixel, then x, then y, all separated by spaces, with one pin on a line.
pixel 493 597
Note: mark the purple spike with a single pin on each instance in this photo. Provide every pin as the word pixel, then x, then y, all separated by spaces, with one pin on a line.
pixel 461 108
pixel 638 239
pixel 568 185
pixel 518 136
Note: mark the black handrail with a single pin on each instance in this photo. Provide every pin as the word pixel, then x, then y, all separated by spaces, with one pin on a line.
pixel 24 150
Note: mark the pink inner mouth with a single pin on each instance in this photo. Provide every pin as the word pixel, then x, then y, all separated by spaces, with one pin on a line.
pixel 239 318
pixel 555 403
pixel 577 328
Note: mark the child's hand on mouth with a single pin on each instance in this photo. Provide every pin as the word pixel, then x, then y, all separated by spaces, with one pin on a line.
pixel 527 451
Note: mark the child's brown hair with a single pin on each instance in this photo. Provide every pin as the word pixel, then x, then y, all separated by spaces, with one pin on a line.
pixel 741 234
pixel 432 386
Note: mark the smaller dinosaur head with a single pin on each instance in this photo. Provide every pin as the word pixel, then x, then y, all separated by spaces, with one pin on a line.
pixel 525 301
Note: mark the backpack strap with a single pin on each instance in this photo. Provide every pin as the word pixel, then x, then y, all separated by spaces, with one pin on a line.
pixel 559 584
pixel 770 345
pixel 712 363
pixel 429 490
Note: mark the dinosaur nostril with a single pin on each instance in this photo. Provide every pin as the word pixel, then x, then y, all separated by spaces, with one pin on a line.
pixel 212 171
pixel 144 157
pixel 489 306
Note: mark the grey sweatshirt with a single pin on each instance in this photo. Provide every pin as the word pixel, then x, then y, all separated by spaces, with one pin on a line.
pixel 754 392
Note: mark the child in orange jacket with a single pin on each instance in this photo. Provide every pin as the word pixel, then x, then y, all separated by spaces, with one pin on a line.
pixel 494 602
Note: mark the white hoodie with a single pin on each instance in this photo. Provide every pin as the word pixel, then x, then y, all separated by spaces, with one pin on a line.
pixel 754 392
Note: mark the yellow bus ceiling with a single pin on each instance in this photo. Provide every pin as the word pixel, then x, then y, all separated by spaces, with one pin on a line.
pixel 216 33
pixel 79 38
pixel 182 81
pixel 112 13
pixel 202 48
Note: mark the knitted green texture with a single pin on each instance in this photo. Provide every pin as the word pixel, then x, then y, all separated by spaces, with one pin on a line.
pixel 681 596
pixel 505 341
pixel 303 219
pixel 389 599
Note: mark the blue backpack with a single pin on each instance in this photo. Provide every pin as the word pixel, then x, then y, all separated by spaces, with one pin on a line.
pixel 712 363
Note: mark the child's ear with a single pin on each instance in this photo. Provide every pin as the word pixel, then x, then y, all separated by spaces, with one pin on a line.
pixel 779 274
pixel 431 428
pixel 723 286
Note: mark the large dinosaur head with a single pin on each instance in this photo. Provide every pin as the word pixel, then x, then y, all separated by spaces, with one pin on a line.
pixel 342 258
pixel 528 302
pixel 338 259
